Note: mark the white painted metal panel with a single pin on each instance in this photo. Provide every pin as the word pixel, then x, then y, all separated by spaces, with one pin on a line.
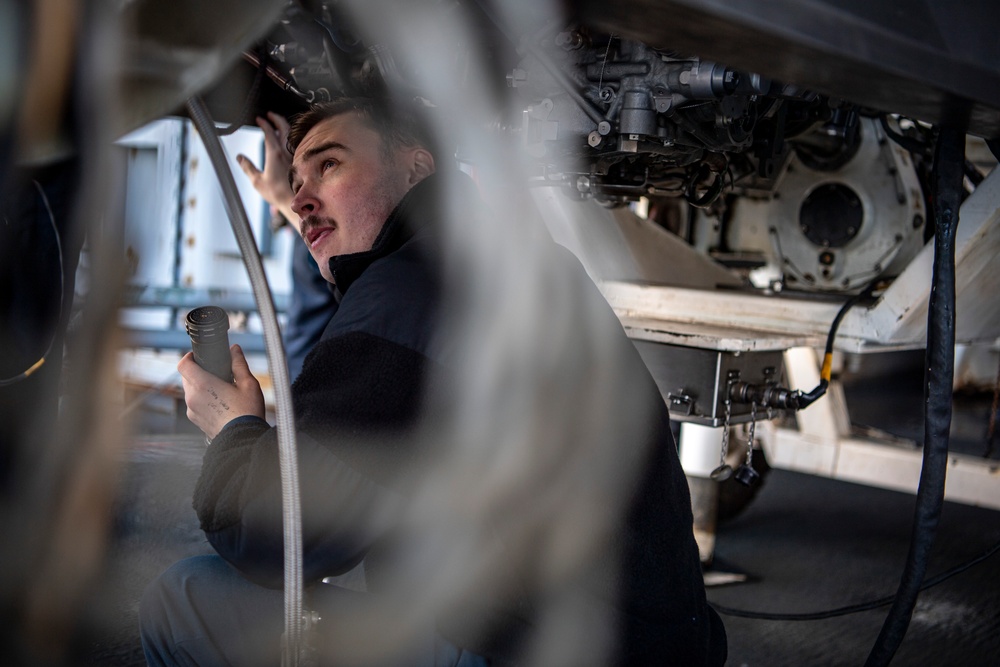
pixel 153 159
pixel 209 254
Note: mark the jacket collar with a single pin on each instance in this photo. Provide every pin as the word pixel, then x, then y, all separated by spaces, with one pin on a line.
pixel 414 212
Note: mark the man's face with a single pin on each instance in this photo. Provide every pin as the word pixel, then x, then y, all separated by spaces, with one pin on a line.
pixel 345 187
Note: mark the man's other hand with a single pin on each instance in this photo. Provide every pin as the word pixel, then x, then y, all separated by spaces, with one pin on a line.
pixel 272 182
pixel 211 402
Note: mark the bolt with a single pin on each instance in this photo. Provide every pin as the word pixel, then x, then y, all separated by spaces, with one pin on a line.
pixel 604 127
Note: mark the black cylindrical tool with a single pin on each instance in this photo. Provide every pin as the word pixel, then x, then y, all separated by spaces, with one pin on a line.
pixel 208 328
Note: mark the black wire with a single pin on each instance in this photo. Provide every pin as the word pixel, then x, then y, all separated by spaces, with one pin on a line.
pixel 712 193
pixel 854 608
pixel 909 143
pixel 850 303
pixel 808 398
pixel 4 382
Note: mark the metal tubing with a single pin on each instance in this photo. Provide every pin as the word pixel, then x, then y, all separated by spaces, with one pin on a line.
pixel 949 159
pixel 291 510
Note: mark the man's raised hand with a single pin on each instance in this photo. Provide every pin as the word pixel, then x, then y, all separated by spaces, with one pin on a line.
pixel 272 181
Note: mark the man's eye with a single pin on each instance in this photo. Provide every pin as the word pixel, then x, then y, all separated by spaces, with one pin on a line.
pixel 329 164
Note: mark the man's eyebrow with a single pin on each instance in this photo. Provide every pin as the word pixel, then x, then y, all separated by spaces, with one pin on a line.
pixel 314 151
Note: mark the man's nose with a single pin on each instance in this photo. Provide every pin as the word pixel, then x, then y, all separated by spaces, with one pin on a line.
pixel 304 203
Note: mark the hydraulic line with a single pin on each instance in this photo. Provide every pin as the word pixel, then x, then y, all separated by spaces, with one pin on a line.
pixel 278 78
pixel 949 158
pixel 826 371
pixel 291 510
pixel 774 396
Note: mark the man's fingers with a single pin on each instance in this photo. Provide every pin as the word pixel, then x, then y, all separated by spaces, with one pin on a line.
pixel 274 135
pixel 265 125
pixel 248 167
pixel 241 369
pixel 192 374
pixel 187 365
pixel 280 125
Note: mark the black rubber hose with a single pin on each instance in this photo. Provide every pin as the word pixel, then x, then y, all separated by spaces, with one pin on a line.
pixel 909 143
pixel 805 399
pixel 949 158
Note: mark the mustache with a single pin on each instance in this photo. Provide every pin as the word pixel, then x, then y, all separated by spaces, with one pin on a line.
pixel 311 222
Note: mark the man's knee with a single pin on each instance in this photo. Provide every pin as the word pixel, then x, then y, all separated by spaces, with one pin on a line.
pixel 171 589
pixel 201 611
pixel 167 609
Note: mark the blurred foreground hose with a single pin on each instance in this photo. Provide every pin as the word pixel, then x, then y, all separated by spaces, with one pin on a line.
pixel 291 510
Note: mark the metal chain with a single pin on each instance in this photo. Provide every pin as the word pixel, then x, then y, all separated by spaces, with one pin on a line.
pixel 724 471
pixel 753 425
pixel 725 434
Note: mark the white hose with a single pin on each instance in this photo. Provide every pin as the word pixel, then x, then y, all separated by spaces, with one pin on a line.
pixel 291 509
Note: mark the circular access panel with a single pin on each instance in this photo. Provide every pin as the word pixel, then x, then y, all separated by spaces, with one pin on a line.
pixel 831 215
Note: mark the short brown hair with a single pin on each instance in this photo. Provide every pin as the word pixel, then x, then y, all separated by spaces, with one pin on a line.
pixel 399 125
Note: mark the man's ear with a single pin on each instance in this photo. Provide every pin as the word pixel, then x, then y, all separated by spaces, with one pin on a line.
pixel 421 165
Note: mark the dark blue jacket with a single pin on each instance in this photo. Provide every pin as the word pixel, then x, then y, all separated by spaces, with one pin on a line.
pixel 361 392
